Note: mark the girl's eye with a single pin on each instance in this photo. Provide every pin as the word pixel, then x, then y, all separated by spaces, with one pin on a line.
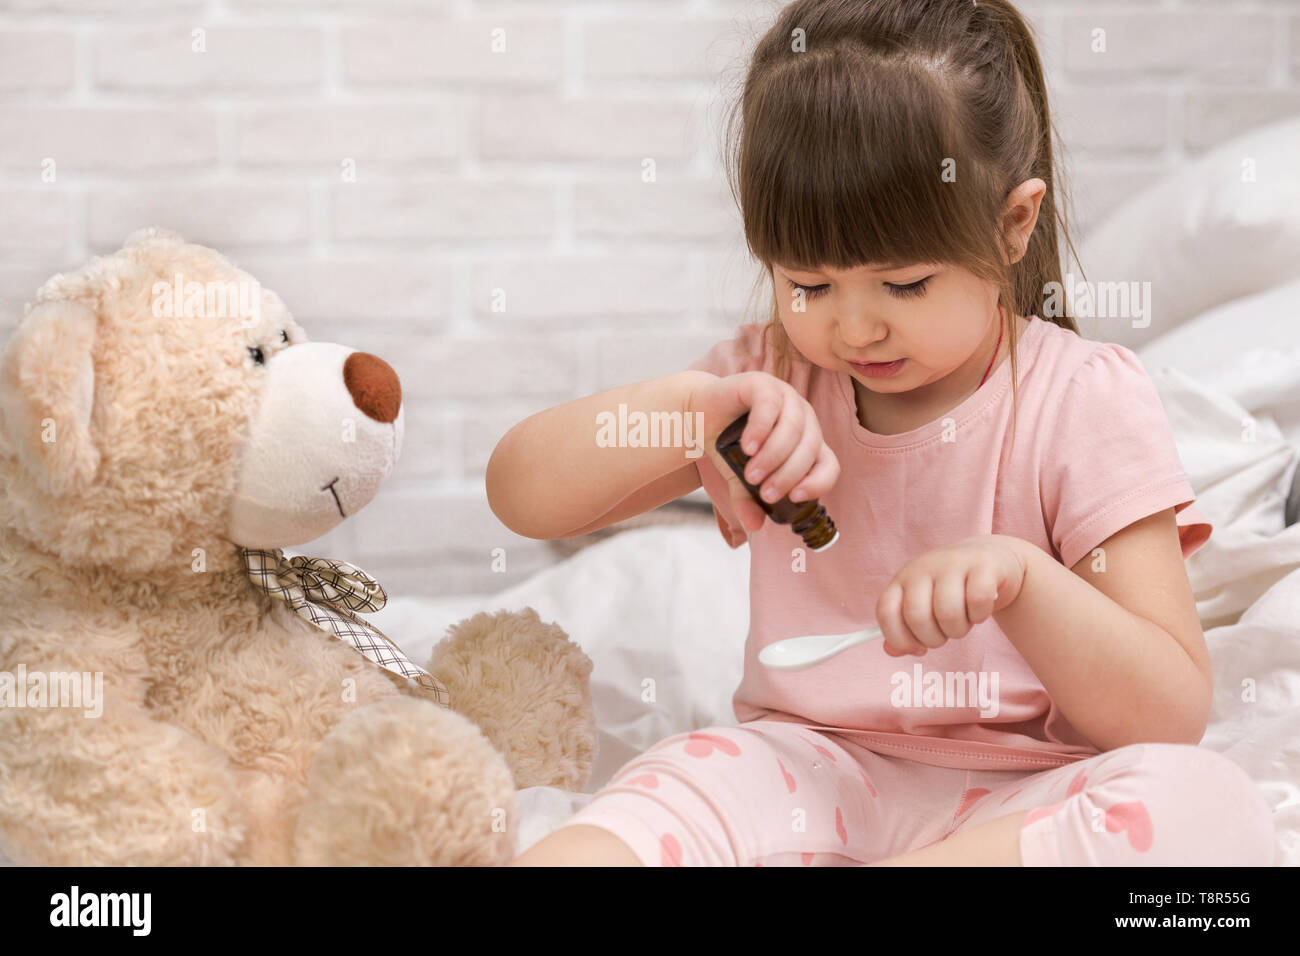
pixel 809 291
pixel 898 291
pixel 905 291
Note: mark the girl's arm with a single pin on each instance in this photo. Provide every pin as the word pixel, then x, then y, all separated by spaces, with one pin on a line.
pixel 548 477
pixel 1120 650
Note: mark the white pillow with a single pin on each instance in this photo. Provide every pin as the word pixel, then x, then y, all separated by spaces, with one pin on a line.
pixel 1204 345
pixel 1247 351
pixel 1202 236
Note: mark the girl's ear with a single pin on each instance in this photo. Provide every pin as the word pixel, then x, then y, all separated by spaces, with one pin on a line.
pixel 47 389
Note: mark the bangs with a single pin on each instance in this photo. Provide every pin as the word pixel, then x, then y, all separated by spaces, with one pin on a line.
pixel 846 164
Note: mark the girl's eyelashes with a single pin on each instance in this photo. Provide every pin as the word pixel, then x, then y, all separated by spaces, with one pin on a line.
pixel 912 289
pixel 897 291
pixel 809 291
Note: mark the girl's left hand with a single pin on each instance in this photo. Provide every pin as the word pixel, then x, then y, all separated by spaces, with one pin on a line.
pixel 940 595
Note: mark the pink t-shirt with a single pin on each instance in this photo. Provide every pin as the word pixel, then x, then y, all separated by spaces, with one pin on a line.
pixel 1093 453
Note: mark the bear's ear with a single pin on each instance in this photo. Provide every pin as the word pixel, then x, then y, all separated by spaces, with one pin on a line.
pixel 47 389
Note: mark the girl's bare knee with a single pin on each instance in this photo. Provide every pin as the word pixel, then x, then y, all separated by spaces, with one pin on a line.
pixel 578 845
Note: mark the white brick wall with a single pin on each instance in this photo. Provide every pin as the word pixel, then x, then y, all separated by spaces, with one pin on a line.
pixel 111 139
pixel 382 168
pixel 154 60
pixel 36 59
pixel 451 50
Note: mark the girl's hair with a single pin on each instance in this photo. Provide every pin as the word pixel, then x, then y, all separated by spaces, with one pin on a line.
pixel 891 132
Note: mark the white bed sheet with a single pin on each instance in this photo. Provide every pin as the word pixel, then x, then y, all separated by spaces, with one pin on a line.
pixel 664 608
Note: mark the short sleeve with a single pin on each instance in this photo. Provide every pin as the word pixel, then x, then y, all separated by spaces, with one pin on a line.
pixel 1112 460
pixel 744 352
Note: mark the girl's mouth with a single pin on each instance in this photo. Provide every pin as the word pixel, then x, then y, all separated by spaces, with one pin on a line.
pixel 878 369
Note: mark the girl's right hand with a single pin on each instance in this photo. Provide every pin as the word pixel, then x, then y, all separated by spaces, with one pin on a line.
pixel 783 438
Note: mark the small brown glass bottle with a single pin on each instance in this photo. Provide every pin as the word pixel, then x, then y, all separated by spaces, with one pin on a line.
pixel 808 519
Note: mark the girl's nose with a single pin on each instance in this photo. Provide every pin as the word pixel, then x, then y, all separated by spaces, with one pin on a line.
pixel 860 334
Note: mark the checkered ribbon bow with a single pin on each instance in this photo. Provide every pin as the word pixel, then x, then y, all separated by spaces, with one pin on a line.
pixel 328 593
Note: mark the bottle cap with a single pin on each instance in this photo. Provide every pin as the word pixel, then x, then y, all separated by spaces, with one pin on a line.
pixel 828 543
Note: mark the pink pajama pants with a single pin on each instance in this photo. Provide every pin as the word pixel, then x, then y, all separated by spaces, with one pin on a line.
pixel 768 793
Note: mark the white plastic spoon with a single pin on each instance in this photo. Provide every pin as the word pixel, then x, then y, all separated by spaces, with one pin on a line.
pixel 795 652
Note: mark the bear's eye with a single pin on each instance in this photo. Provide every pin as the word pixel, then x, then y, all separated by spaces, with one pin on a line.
pixel 258 357
pixel 284 336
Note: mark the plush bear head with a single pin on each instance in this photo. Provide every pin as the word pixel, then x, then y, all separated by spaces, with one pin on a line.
pixel 158 401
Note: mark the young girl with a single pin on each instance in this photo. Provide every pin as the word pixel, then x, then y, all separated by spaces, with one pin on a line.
pixel 1011 506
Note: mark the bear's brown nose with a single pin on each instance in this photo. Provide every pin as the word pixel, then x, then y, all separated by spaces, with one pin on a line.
pixel 373 385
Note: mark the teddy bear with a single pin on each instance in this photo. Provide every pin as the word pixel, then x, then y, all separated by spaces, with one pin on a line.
pixel 173 689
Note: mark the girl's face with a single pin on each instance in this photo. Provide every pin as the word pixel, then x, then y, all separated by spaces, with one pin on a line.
pixel 937 318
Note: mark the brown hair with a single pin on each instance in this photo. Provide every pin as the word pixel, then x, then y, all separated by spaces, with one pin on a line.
pixel 851 113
